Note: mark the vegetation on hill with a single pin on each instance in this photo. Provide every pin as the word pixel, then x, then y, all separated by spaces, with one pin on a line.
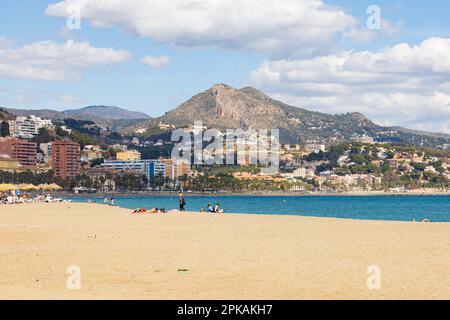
pixel 412 167
pixel 113 118
pixel 224 107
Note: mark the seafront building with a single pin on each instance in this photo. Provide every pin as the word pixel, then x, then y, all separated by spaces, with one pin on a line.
pixel 25 152
pixel 66 159
pixel 181 168
pixel 150 168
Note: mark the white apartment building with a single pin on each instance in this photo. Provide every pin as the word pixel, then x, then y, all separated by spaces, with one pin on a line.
pixel 27 127
pixel 315 147
pixel 363 139
pixel 303 173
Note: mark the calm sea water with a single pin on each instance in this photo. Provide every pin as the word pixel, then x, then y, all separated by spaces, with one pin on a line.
pixel 396 208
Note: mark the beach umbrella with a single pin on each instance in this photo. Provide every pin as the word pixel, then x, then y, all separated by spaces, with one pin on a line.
pixel 27 187
pixel 54 186
pixel 7 187
pixel 44 187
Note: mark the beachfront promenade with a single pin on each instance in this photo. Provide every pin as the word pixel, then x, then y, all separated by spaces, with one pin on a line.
pixel 198 256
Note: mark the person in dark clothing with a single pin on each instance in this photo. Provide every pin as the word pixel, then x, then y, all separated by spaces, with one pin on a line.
pixel 182 203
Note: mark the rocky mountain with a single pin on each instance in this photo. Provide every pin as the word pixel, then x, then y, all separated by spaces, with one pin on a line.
pixel 225 107
pixel 112 117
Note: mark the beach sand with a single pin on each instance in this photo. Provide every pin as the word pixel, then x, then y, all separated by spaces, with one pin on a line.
pixel 198 256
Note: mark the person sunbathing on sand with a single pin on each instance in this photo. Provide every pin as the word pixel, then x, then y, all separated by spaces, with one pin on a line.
pixel 145 211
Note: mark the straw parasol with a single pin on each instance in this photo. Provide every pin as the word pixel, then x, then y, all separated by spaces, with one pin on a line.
pixel 27 187
pixel 7 187
pixel 49 187
pixel 44 187
pixel 54 186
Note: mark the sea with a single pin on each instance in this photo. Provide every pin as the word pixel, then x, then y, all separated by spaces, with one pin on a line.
pixel 390 208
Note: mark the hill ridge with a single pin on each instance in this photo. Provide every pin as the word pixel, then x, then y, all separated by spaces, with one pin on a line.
pixel 223 107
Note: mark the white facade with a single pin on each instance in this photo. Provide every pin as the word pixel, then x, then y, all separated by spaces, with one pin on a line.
pixel 149 168
pixel 315 147
pixel 303 173
pixel 27 127
pixel 363 139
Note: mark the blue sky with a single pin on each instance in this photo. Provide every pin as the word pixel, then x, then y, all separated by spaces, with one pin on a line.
pixel 238 58
pixel 130 84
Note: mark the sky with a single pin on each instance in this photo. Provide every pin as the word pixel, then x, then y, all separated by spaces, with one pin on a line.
pixel 331 56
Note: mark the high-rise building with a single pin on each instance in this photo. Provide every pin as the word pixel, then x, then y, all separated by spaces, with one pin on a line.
pixel 25 152
pixel 156 170
pixel 66 157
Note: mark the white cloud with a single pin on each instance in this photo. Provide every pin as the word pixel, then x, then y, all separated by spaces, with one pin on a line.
pixel 280 27
pixel 365 35
pixel 156 62
pixel 4 42
pixel 403 85
pixel 12 97
pixel 47 60
pixel 70 101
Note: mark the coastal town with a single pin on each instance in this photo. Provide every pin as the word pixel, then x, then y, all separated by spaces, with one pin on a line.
pixel 82 157
pixel 221 159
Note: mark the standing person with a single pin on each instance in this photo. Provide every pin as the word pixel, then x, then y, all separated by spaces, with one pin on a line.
pixel 182 203
pixel 112 201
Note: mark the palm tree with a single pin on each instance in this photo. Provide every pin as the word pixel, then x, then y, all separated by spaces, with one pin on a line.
pixel 102 180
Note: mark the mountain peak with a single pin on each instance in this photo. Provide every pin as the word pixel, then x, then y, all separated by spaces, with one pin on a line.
pixel 220 86
pixel 222 89
pixel 225 107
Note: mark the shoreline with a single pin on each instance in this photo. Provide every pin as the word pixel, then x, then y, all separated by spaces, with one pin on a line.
pixel 264 194
pixel 201 256
pixel 193 213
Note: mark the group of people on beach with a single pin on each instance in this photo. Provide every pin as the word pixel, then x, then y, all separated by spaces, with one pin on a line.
pixel 109 201
pixel 24 198
pixel 209 209
pixel 215 209
pixel 181 201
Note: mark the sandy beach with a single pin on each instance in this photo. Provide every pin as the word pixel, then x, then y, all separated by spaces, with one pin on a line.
pixel 198 256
